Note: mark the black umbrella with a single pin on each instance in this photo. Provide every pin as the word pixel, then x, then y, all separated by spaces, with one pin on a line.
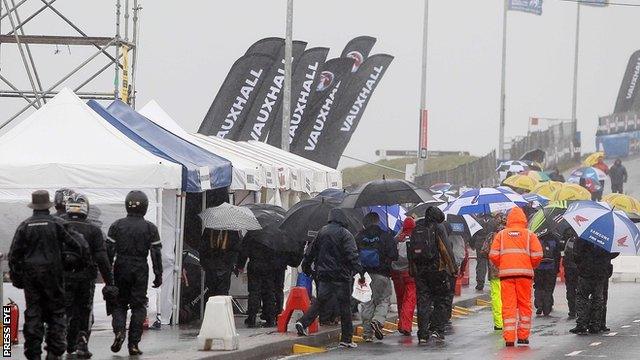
pixel 304 219
pixel 267 213
pixel 275 239
pixel 337 194
pixel 549 221
pixel 536 155
pixel 386 192
pixel 418 211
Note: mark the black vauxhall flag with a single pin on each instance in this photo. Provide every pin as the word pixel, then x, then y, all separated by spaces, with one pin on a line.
pixel 358 49
pixel 268 46
pixel 305 78
pixel 343 121
pixel 268 100
pixel 628 98
pixel 231 105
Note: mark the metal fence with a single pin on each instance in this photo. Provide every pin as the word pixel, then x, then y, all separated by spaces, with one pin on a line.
pixel 476 173
pixel 556 141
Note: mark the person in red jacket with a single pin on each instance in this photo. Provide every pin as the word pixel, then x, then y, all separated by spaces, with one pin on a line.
pixel 516 251
pixel 404 284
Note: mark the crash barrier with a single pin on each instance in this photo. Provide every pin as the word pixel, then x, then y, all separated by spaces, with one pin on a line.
pixel 556 141
pixel 480 172
pixel 297 300
pixel 218 330
pixel 626 268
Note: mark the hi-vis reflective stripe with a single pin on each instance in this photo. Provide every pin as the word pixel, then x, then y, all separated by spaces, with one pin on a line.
pixel 494 252
pixel 509 321
pixel 516 272
pixel 110 240
pixel 514 251
pixel 156 242
pixel 525 326
pixel 537 254
pixel 525 318
pixel 509 328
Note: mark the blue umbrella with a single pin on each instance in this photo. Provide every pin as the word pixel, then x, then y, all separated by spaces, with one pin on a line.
pixel 536 199
pixel 591 177
pixel 484 201
pixel 603 226
pixel 391 217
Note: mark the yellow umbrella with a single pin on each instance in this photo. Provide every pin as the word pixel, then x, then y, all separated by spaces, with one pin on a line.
pixel 593 158
pixel 623 202
pixel 547 189
pixel 572 192
pixel 521 182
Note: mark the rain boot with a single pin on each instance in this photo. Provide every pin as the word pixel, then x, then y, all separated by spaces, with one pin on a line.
pixel 118 341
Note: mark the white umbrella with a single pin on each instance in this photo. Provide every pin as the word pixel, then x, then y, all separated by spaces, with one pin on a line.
pixel 229 217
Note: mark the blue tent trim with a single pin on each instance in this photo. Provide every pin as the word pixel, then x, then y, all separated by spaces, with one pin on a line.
pixel 157 140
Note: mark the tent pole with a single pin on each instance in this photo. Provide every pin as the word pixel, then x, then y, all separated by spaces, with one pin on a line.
pixel 178 268
pixel 176 238
pixel 159 210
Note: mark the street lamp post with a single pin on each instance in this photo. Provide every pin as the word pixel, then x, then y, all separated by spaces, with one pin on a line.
pixel 286 96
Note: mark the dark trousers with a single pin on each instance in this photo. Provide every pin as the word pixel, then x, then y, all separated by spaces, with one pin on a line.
pixel 79 303
pixel 131 278
pixel 342 293
pixel 260 287
pixel 433 289
pixel 617 188
pixel 450 297
pixel 544 283
pixel 218 281
pixel 571 283
pixel 278 286
pixel 589 301
pixel 44 296
pixel 482 267
pixel 601 322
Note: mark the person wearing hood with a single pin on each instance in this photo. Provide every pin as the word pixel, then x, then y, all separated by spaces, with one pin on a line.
pixel 516 251
pixel 333 259
pixel 618 175
pixel 403 283
pixel 60 201
pixel 432 264
pixel 377 250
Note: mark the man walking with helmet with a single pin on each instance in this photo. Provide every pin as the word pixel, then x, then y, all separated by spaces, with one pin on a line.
pixel 130 240
pixel 80 285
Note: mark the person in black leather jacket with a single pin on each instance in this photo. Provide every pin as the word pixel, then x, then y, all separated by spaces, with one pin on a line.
pixel 36 265
pixel 332 258
pixel 130 241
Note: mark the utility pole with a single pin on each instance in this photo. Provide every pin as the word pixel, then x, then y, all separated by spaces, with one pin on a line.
pixel 288 70
pixel 574 98
pixel 502 81
pixel 423 141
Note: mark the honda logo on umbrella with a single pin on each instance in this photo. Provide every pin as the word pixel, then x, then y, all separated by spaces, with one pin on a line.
pixel 622 242
pixel 580 219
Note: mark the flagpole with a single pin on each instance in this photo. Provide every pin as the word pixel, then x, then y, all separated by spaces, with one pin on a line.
pixel 574 98
pixel 288 69
pixel 423 83
pixel 502 81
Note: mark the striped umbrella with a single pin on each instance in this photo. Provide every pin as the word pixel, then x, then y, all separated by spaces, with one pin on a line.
pixel 484 201
pixel 599 224
pixel 536 200
pixel 229 217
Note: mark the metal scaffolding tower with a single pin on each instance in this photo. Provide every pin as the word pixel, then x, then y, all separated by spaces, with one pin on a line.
pixel 117 50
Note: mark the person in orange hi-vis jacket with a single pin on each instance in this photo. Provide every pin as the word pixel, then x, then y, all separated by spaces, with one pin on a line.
pixel 516 251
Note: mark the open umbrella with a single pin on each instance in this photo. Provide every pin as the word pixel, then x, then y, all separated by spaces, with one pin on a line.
pixel 536 200
pixel 522 182
pixel 603 226
pixel 484 201
pixel 305 218
pixel 533 165
pixel 549 220
pixel 623 202
pixel 440 188
pixel 386 192
pixel 338 194
pixel 547 188
pixel 539 176
pixel 514 166
pixel 267 213
pixel 570 192
pixel 418 211
pixel 391 217
pixel 593 158
pixel 536 155
pixel 589 176
pixel 229 217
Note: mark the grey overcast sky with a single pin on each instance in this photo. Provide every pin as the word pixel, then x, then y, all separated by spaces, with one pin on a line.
pixel 187 47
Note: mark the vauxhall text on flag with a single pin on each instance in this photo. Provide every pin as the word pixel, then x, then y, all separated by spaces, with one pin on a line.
pixel 528 6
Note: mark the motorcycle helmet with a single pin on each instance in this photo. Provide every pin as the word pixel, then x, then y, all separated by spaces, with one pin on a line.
pixel 78 204
pixel 136 202
pixel 60 198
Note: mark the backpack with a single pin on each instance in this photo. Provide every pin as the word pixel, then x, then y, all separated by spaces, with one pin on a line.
pixel 369 253
pixel 75 251
pixel 548 251
pixel 423 246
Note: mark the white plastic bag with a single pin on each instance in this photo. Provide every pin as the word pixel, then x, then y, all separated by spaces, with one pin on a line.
pixel 362 293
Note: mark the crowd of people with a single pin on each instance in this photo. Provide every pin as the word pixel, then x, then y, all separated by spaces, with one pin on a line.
pixel 56 257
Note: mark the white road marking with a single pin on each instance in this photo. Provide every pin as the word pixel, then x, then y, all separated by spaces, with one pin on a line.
pixel 613 333
pixel 574 353
pixel 595 344
pixel 636 321
pixel 625 326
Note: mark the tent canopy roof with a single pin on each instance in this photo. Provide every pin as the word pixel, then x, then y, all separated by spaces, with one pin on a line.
pixel 65 143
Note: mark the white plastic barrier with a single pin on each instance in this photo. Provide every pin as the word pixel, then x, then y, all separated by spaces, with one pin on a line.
pixel 626 268
pixel 218 331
